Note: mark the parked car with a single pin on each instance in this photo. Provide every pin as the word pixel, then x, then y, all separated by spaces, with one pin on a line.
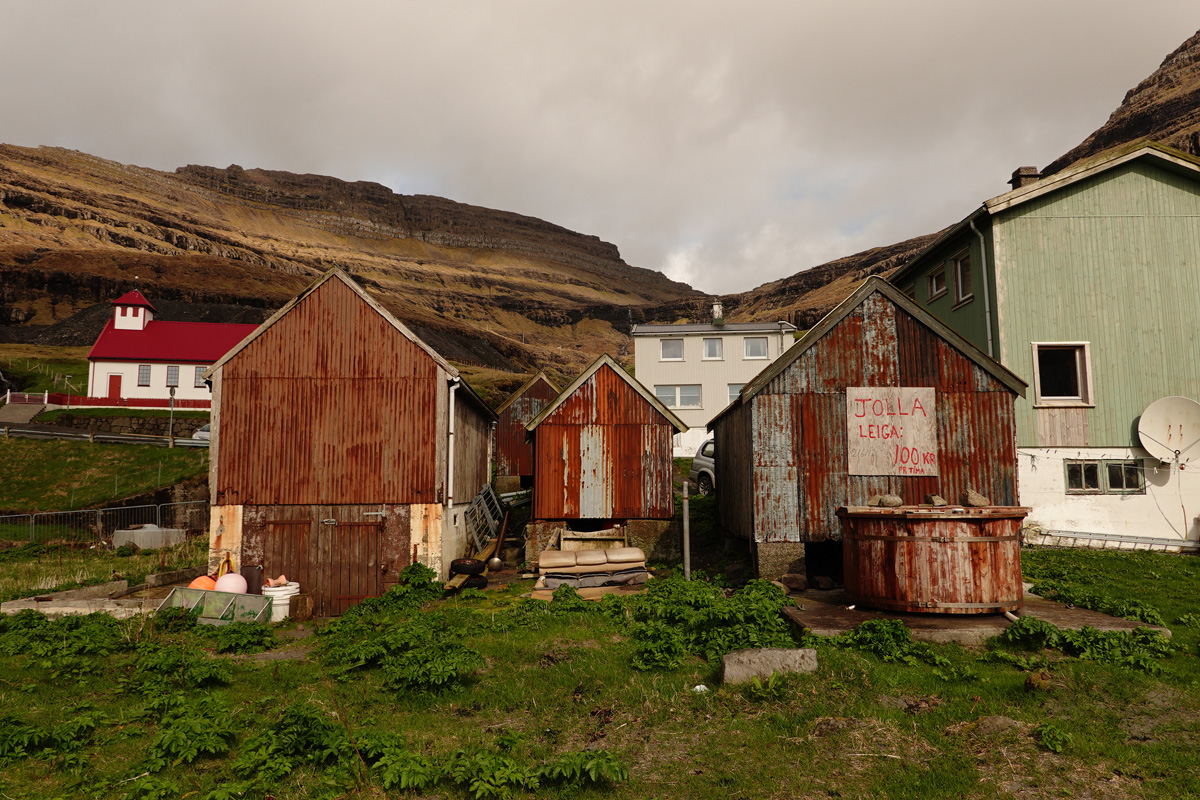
pixel 204 432
pixel 703 470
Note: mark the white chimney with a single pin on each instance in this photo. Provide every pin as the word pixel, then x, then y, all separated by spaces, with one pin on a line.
pixel 718 310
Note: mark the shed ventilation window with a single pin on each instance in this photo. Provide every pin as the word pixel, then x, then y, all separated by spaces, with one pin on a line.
pixel 713 349
pixel 672 349
pixel 679 396
pixel 962 278
pixel 756 347
pixel 143 375
pixel 1062 374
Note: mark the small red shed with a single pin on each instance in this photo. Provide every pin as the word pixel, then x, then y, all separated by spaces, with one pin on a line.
pixel 879 398
pixel 602 451
pixel 514 452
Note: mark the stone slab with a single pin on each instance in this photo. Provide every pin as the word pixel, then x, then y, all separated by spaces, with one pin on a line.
pixel 121 609
pixel 100 591
pixel 826 614
pixel 743 666
pixel 150 537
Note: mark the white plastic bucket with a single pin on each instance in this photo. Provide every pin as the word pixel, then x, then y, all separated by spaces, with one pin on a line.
pixel 281 599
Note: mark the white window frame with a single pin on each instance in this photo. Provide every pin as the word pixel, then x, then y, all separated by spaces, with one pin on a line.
pixel 734 390
pixel 1083 361
pixel 173 370
pixel 704 356
pixel 144 369
pixel 766 340
pixel 199 380
pixel 963 258
pixel 662 348
pixel 933 291
pixel 675 389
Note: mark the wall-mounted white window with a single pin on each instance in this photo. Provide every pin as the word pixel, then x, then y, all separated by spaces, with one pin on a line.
pixel 679 396
pixel 172 376
pixel 143 375
pixel 734 389
pixel 714 349
pixel 1062 374
pixel 962 278
pixel 671 349
pixel 756 347
pixel 199 384
pixel 936 282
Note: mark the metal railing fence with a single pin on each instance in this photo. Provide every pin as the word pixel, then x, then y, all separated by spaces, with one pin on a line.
pixel 95 524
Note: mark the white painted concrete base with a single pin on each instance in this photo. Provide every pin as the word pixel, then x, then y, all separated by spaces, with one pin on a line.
pixel 685 445
pixel 1167 512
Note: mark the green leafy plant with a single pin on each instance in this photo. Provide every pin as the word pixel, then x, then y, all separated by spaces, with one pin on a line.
pixel 590 767
pixel 243 637
pixel 187 738
pixel 1051 737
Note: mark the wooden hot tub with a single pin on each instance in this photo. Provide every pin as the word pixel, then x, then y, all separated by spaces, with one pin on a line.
pixel 942 560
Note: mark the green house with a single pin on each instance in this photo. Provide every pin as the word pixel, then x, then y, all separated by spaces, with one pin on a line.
pixel 1086 284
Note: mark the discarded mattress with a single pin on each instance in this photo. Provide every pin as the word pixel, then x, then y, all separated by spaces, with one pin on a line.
pixel 584 569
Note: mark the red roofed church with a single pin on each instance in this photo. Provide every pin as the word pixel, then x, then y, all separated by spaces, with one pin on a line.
pixel 137 357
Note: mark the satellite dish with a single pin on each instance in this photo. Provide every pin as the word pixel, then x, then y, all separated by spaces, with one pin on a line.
pixel 1170 429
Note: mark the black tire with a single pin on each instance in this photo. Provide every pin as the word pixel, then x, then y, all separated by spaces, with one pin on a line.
pixel 704 485
pixel 475 582
pixel 467 566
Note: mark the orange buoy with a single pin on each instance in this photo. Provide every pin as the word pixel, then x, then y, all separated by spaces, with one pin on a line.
pixel 203 582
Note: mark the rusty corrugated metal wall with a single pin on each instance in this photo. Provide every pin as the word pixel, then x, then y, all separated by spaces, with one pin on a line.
pixel 472 432
pixel 514 454
pixel 604 454
pixel 331 405
pixel 796 438
pixel 734 466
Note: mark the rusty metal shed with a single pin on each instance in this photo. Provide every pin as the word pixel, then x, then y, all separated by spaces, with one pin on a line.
pixel 341 444
pixel 514 452
pixel 602 450
pixel 879 398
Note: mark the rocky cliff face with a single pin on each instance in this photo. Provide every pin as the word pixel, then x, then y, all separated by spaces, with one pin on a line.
pixel 1164 108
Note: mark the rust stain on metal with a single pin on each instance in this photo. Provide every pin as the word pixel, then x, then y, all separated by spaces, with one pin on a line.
pixel 514 453
pixel 922 560
pixel 604 453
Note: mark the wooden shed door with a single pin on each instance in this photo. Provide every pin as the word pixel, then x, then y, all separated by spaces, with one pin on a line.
pixel 333 551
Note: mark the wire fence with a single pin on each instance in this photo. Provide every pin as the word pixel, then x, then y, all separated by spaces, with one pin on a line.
pixel 96 524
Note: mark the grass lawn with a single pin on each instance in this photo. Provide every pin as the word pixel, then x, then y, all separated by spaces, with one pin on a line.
pixel 487 694
pixel 36 568
pixel 49 417
pixel 61 475
pixel 41 368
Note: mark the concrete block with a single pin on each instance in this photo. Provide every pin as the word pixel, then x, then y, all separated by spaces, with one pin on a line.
pixel 743 666
pixel 150 537
pixel 100 591
pixel 774 559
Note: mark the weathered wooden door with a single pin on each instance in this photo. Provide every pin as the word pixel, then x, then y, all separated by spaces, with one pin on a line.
pixel 338 554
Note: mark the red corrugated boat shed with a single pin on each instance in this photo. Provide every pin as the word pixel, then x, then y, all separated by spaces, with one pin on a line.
pixel 602 450
pixel 782 458
pixel 341 444
pixel 514 452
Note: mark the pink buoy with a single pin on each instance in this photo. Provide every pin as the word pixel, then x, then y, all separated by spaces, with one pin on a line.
pixel 231 582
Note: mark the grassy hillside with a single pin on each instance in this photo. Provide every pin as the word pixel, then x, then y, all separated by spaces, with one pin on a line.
pixel 37 368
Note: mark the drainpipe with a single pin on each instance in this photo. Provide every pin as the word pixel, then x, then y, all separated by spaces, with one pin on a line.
pixel 454 382
pixel 987 303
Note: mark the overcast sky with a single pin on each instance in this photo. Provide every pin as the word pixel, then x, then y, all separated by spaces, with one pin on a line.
pixel 723 143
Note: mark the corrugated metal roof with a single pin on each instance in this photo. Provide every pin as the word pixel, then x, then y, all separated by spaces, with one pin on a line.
pixel 160 341
pixel 525 387
pixel 697 327
pixel 604 360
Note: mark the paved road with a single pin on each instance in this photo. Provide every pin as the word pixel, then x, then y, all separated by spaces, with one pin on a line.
pixel 53 432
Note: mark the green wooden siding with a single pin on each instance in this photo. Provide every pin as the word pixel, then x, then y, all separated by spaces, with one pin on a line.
pixel 1113 260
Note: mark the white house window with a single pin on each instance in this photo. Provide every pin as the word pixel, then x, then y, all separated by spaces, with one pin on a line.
pixel 679 396
pixel 713 349
pixel 734 388
pixel 756 347
pixel 962 278
pixel 937 282
pixel 172 376
pixel 143 375
pixel 1104 477
pixel 199 384
pixel 1062 374
pixel 672 349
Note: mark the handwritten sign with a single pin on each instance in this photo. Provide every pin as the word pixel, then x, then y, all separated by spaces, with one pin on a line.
pixel 891 431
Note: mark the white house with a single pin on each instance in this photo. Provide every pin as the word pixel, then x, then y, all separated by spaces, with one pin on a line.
pixel 696 369
pixel 138 358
